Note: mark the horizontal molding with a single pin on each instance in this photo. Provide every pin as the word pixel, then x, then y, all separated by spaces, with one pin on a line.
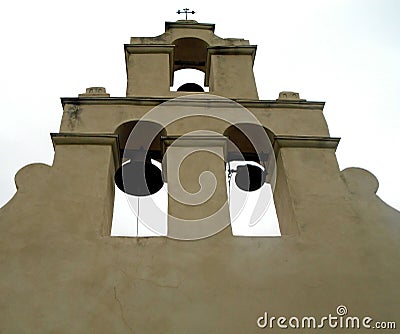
pixel 88 139
pixel 233 50
pixel 111 139
pixel 189 24
pixel 305 142
pixel 149 48
pixel 155 101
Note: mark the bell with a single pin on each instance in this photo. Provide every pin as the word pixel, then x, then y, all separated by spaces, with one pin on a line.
pixel 139 178
pixel 249 177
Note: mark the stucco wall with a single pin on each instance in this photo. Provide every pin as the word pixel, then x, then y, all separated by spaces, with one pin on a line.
pixel 62 272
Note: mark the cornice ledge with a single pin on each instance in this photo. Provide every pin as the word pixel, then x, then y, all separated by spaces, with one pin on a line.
pixel 305 142
pixel 189 24
pixel 149 48
pixel 88 139
pixel 154 101
pixel 301 104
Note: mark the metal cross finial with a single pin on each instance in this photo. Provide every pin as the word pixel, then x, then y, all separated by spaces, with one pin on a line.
pixel 186 11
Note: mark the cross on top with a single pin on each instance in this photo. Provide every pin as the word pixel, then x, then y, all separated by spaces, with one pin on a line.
pixel 186 11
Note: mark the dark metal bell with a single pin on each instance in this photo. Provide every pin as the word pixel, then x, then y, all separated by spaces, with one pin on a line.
pixel 249 177
pixel 139 178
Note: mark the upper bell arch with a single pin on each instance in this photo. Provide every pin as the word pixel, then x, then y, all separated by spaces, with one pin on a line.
pixel 190 52
pixel 226 62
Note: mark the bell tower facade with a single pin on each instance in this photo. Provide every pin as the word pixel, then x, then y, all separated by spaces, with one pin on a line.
pixel 63 272
pixel 226 63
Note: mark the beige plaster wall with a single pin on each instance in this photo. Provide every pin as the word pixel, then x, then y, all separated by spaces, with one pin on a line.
pixel 232 76
pixel 104 116
pixel 61 272
pixel 148 74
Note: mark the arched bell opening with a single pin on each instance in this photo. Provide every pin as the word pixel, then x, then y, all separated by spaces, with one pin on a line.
pixel 252 142
pixel 250 180
pixel 140 192
pixel 140 142
pixel 190 57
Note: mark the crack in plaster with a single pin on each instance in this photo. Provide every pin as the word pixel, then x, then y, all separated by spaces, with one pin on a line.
pixel 121 310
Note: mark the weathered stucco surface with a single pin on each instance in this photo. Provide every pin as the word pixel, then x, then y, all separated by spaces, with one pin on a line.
pixel 61 272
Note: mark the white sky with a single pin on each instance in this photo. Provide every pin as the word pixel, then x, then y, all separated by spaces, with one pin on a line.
pixel 343 52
